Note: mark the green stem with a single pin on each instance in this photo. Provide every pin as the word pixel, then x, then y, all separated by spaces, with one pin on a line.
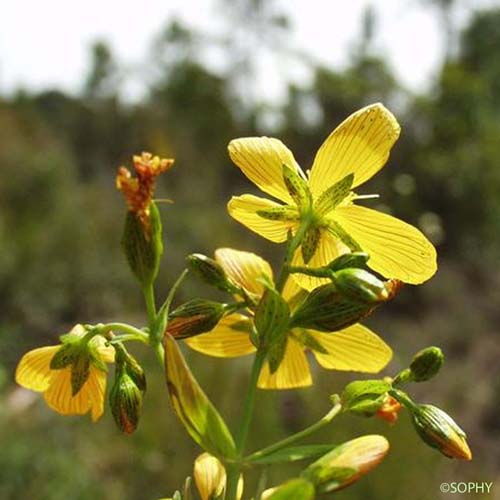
pixel 149 298
pixel 234 469
pixel 293 244
pixel 298 436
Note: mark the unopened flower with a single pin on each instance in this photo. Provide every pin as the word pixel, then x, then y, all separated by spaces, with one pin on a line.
pixel 322 203
pixel 35 371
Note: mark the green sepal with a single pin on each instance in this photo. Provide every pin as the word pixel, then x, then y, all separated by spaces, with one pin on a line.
pixel 327 310
pixel 331 197
pixel 211 272
pixel 364 397
pixel 339 232
pixel 310 243
pixel 200 418
pixel 307 340
pixel 296 489
pixel 80 371
pixel 297 187
pixel 271 322
pixel 284 213
pixel 346 260
pixel 64 357
pixel 293 454
pixel 143 245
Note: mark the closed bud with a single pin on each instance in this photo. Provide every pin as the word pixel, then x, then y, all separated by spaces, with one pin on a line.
pixel 426 364
pixel 360 285
pixel 142 244
pixel 346 463
pixel 211 272
pixel 194 317
pixel 210 476
pixel 348 260
pixel 125 399
pixel 327 310
pixel 439 430
pixel 298 489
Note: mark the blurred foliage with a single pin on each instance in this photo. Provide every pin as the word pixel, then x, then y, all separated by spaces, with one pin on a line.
pixel 61 220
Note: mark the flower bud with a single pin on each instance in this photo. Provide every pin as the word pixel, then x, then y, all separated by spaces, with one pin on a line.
pixel 125 399
pixel 209 476
pixel 211 272
pixel 327 310
pixel 426 364
pixel 360 285
pixel 194 317
pixel 142 244
pixel 346 463
pixel 365 397
pixel 439 430
pixel 348 260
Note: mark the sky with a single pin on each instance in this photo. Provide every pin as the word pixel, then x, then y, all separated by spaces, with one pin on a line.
pixel 45 44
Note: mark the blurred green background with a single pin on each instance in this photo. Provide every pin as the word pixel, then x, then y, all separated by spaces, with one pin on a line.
pixel 61 220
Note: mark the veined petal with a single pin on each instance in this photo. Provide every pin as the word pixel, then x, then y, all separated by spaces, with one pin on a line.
pixel 209 476
pixel 397 249
pixel 293 372
pixel 107 353
pixel 246 269
pixel 230 338
pixel 96 390
pixel 33 371
pixel 328 249
pixel 244 209
pixel 58 395
pixel 359 145
pixel 261 159
pixel 355 348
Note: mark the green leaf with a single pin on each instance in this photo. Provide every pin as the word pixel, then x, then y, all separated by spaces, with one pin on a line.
pixel 332 196
pixel 271 321
pixel 294 454
pixel 296 489
pixel 198 415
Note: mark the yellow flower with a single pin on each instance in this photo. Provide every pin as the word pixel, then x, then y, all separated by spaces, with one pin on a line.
pixel 323 201
pixel 139 190
pixel 34 372
pixel 354 348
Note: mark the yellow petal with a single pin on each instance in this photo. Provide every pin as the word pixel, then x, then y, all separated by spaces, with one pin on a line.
pixel 96 391
pixel 209 476
pixel 244 209
pixel 328 249
pixel 90 397
pixel 261 159
pixel 246 269
pixel 293 372
pixel 397 249
pixel 107 353
pixel 58 395
pixel 355 348
pixel 359 145
pixel 230 338
pixel 33 371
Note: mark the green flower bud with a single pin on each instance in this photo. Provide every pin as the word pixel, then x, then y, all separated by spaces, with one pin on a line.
pixel 439 430
pixel 194 317
pixel 211 272
pixel 327 310
pixel 125 399
pixel 348 260
pixel 365 397
pixel 360 285
pixel 142 244
pixel 346 463
pixel 426 364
